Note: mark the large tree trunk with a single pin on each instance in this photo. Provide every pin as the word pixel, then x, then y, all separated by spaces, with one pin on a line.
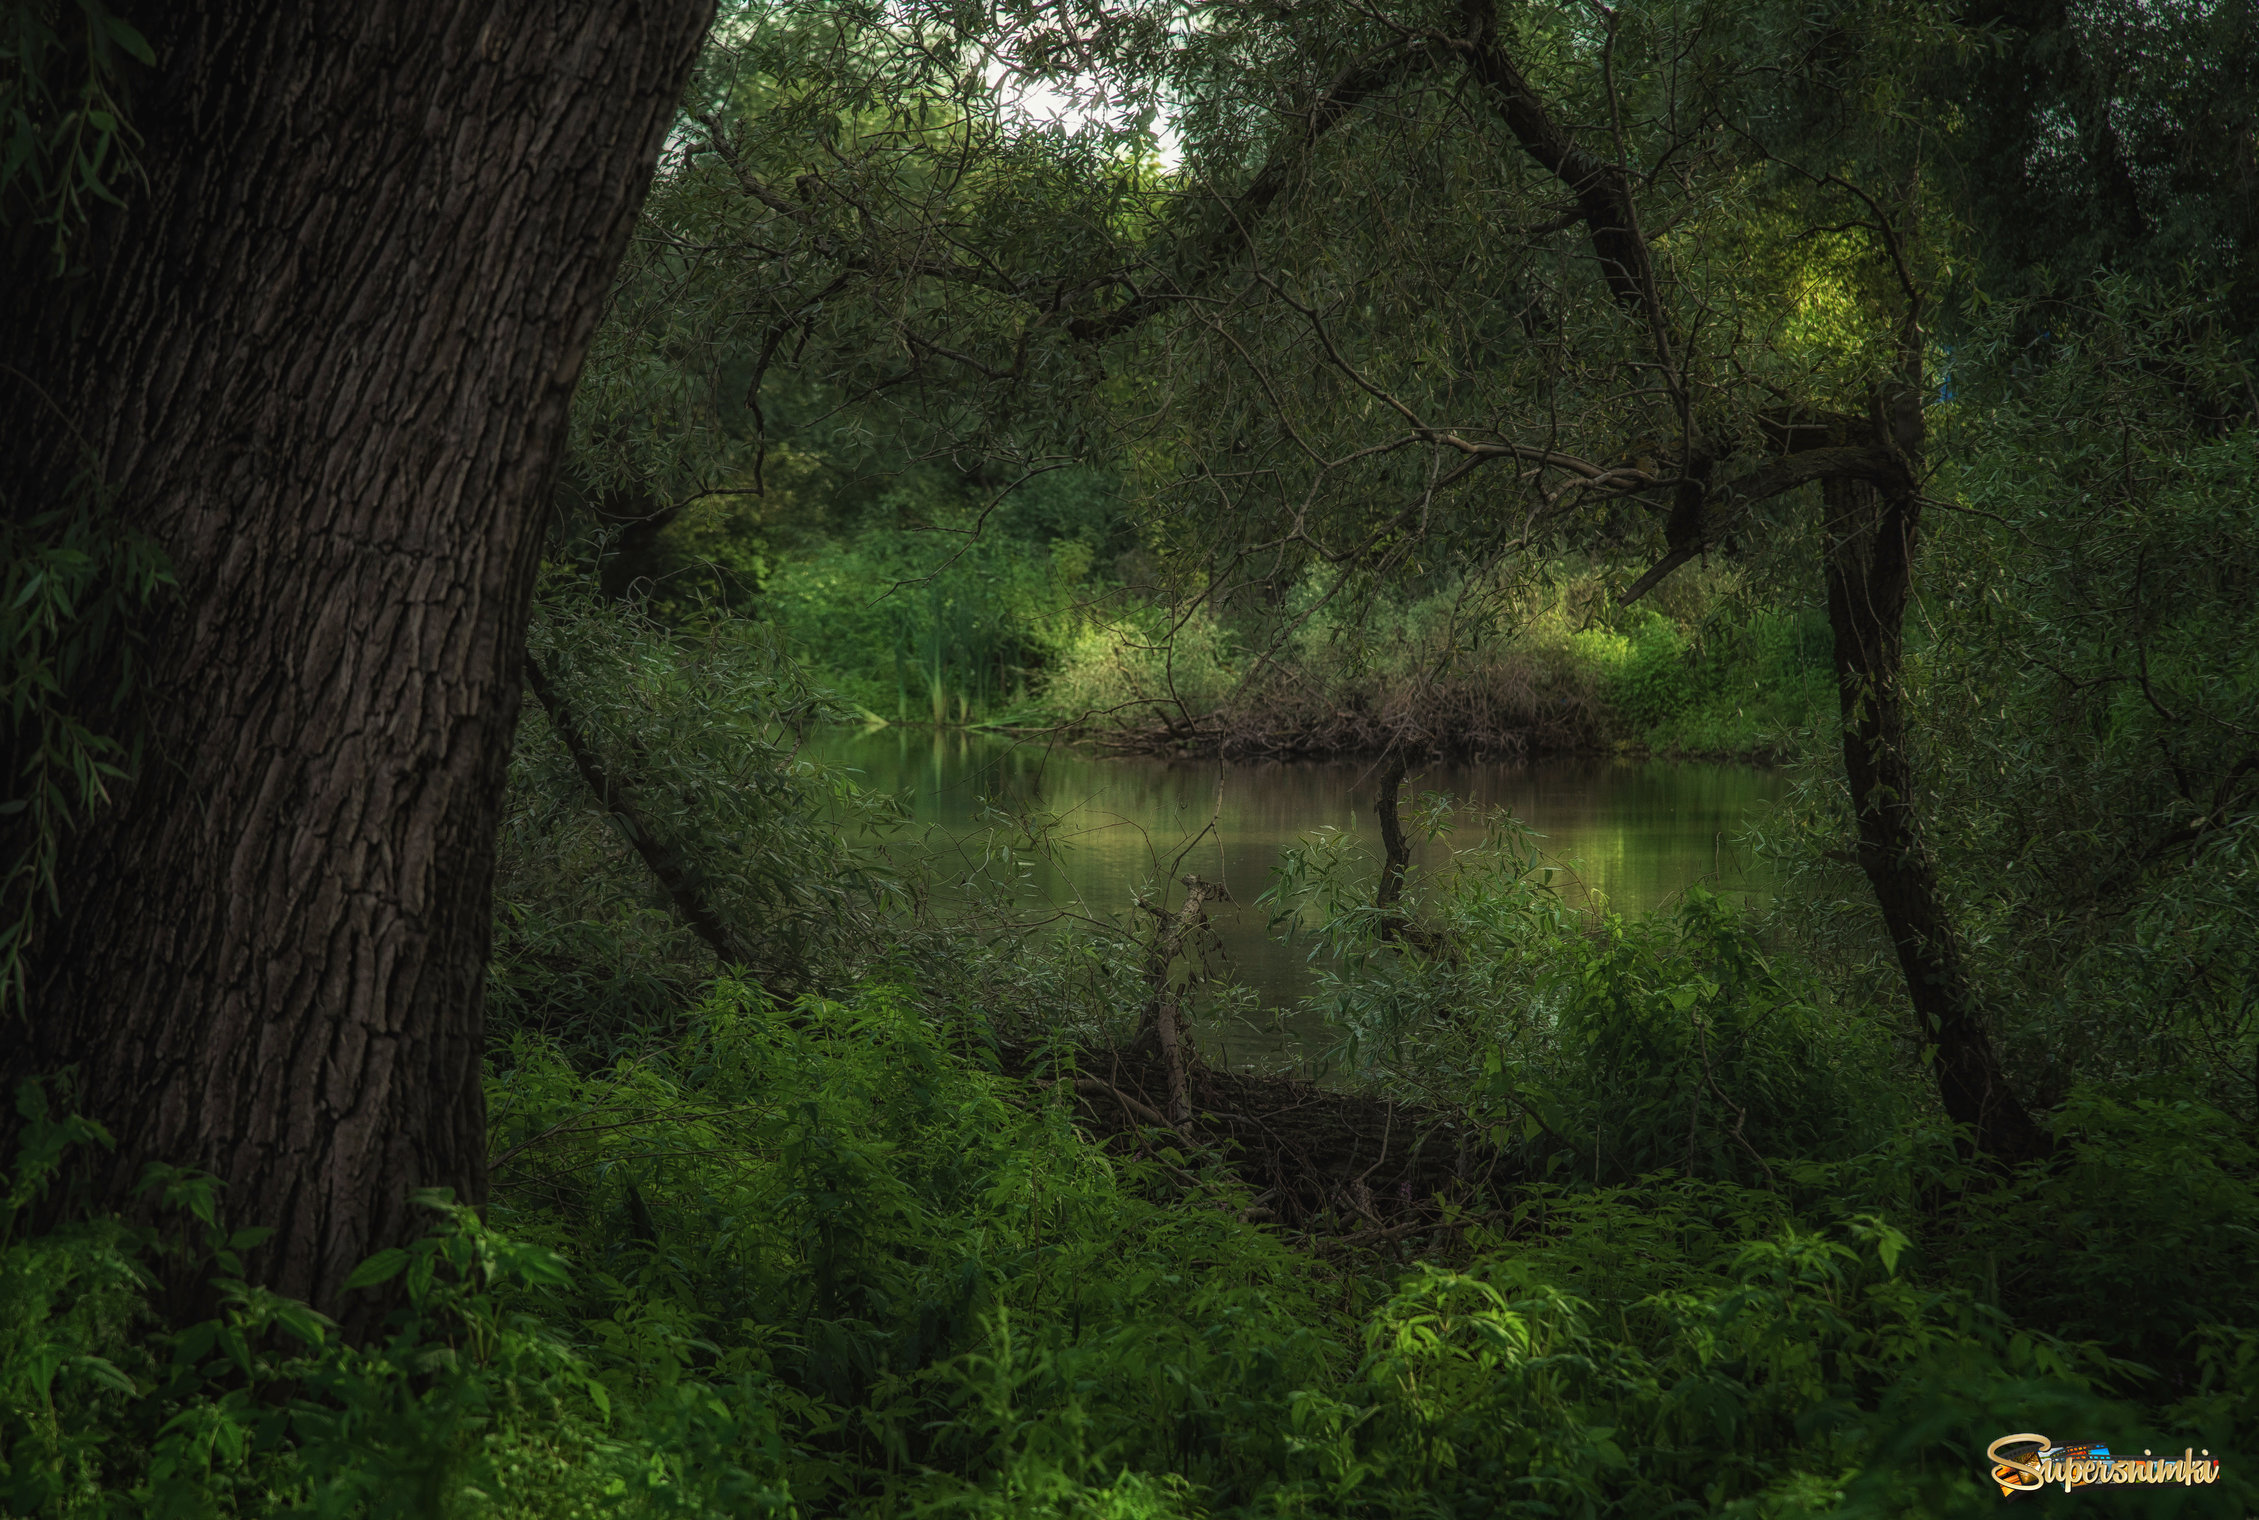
pixel 1871 535
pixel 324 359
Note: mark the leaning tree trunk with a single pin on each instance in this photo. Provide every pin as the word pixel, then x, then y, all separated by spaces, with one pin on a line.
pixel 1870 545
pixel 324 360
pixel 1396 854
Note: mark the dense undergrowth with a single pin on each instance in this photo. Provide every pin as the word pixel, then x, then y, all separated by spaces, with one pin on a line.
pixel 824 1261
pixel 816 1255
pixel 1498 666
pixel 1034 633
pixel 930 603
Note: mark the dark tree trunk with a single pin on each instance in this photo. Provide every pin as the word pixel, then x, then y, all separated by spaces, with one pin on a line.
pixel 1871 535
pixel 1396 854
pixel 324 360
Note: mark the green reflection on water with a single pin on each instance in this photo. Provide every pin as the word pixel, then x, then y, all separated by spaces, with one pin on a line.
pixel 1634 831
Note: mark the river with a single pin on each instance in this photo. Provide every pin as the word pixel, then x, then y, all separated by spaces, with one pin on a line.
pixel 1634 832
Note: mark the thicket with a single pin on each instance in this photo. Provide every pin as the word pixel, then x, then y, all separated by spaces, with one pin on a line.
pixel 824 1263
pixel 1497 665
pixel 817 1259
pixel 915 597
pixel 916 605
pixel 796 1206
pixel 788 1239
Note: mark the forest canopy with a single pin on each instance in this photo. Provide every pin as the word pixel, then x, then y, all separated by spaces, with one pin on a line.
pixel 1864 390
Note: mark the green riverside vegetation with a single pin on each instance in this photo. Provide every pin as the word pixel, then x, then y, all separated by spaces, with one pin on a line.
pixel 752 1251
pixel 1866 389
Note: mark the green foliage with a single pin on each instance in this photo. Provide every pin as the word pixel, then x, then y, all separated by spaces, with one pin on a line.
pixel 467 1405
pixel 1489 665
pixel 702 727
pixel 1433 1016
pixel 2110 141
pixel 809 868
pixel 819 1259
pixel 2087 681
pixel 792 288
pixel 68 1301
pixel 1741 680
pixel 2140 1237
pixel 850 1207
pixel 71 582
pixel 1146 668
pixel 1689 1050
pixel 71 587
pixel 919 628
pixel 1608 1048
pixel 65 142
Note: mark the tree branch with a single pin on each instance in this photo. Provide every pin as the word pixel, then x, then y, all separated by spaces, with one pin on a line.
pixel 689 903
pixel 1834 462
pixel 1351 88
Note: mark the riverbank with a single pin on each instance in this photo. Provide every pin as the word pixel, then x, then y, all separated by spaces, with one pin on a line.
pixel 1023 635
pixel 1722 681
pixel 1637 833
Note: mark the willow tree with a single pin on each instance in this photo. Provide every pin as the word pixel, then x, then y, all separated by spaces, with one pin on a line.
pixel 1450 281
pixel 318 359
pixel 1602 275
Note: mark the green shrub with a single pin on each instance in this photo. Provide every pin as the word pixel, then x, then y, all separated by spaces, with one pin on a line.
pixel 1740 680
pixel 1610 1047
pixel 815 1260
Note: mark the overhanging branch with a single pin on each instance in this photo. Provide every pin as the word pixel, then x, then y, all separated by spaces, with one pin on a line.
pixel 1834 462
pixel 689 903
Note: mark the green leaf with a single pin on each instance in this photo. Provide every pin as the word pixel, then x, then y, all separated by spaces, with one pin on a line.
pixel 123 34
pixel 105 1373
pixel 303 1322
pixel 380 1268
pixel 235 1345
pixel 542 1268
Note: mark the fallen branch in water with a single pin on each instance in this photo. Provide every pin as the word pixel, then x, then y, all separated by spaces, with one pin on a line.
pixel 1163 1020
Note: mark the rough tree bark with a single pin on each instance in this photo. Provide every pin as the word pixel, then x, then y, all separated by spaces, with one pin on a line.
pixel 324 359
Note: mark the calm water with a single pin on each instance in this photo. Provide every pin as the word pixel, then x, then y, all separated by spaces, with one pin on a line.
pixel 1635 832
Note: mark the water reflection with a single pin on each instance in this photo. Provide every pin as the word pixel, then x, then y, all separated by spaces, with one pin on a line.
pixel 1636 831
